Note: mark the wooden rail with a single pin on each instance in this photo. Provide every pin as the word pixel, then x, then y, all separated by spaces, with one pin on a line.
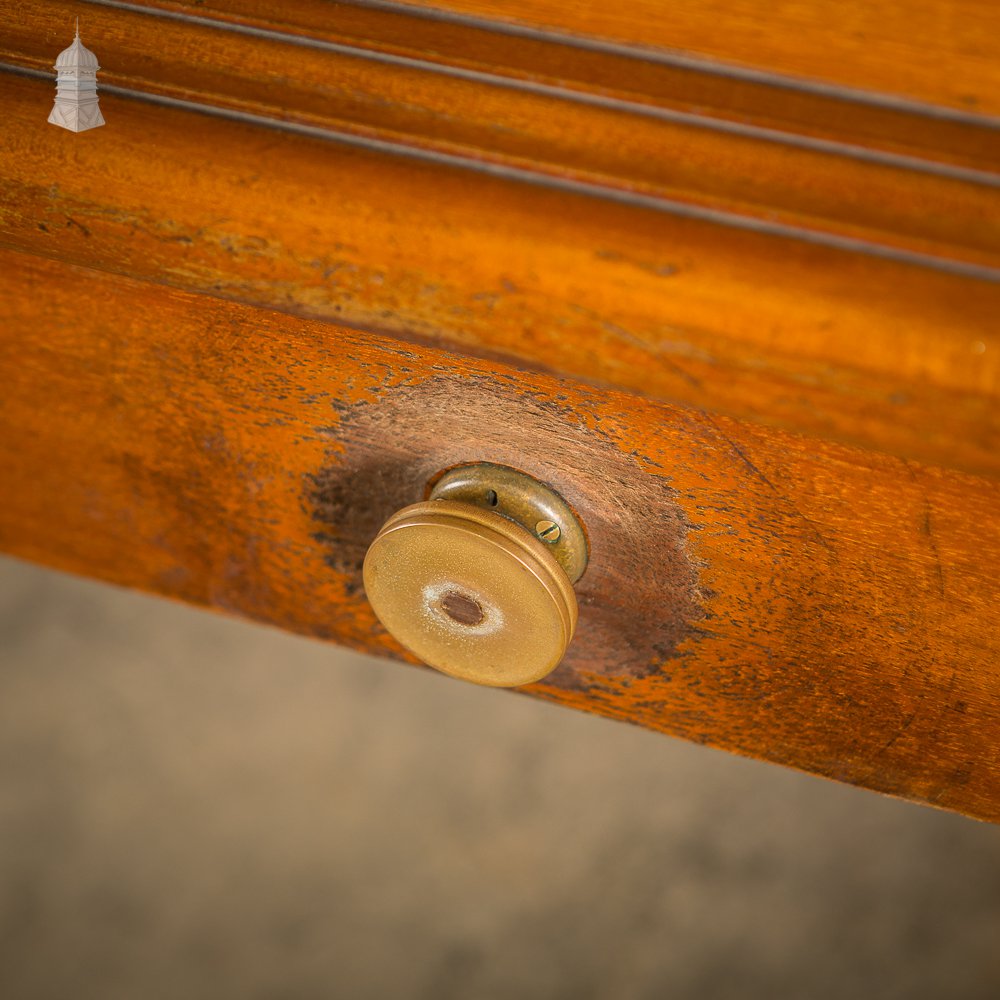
pixel 803 602
pixel 743 314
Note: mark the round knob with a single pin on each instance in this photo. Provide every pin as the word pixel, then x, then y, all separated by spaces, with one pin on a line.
pixel 472 592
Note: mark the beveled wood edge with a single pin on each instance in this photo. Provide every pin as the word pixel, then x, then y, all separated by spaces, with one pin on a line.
pixel 968 249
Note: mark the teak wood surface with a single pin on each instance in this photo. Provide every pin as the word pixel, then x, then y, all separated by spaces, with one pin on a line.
pixel 728 279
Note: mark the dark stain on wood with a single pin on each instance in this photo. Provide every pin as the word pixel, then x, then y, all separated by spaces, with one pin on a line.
pixel 639 596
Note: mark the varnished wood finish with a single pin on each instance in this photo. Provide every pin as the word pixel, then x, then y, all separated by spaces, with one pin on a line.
pixel 727 277
pixel 839 344
pixel 582 68
pixel 943 53
pixel 815 605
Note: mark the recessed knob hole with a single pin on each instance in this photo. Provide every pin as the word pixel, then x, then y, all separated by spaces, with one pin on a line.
pixel 461 608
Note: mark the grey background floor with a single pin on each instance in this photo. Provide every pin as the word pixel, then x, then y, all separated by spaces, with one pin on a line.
pixel 195 807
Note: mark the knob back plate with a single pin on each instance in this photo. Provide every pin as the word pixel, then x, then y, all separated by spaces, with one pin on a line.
pixel 522 498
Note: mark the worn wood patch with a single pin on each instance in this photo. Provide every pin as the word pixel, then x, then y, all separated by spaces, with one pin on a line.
pixel 822 607
pixel 640 591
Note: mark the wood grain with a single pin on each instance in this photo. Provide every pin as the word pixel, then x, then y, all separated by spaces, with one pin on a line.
pixel 481 56
pixel 791 333
pixel 843 615
pixel 943 52
pixel 905 205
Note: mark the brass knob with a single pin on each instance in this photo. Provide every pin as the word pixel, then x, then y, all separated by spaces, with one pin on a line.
pixel 473 590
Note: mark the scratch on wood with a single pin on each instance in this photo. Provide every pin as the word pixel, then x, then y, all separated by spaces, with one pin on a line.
pixel 907 722
pixel 745 459
pixel 929 532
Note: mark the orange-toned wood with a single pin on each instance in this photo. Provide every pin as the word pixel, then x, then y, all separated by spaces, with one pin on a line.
pixel 555 222
pixel 940 51
pixel 839 344
pixel 767 178
pixel 800 601
pixel 654 80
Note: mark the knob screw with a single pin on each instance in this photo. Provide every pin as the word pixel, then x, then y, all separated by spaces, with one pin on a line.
pixel 548 531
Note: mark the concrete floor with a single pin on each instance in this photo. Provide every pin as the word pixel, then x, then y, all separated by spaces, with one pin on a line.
pixel 194 807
